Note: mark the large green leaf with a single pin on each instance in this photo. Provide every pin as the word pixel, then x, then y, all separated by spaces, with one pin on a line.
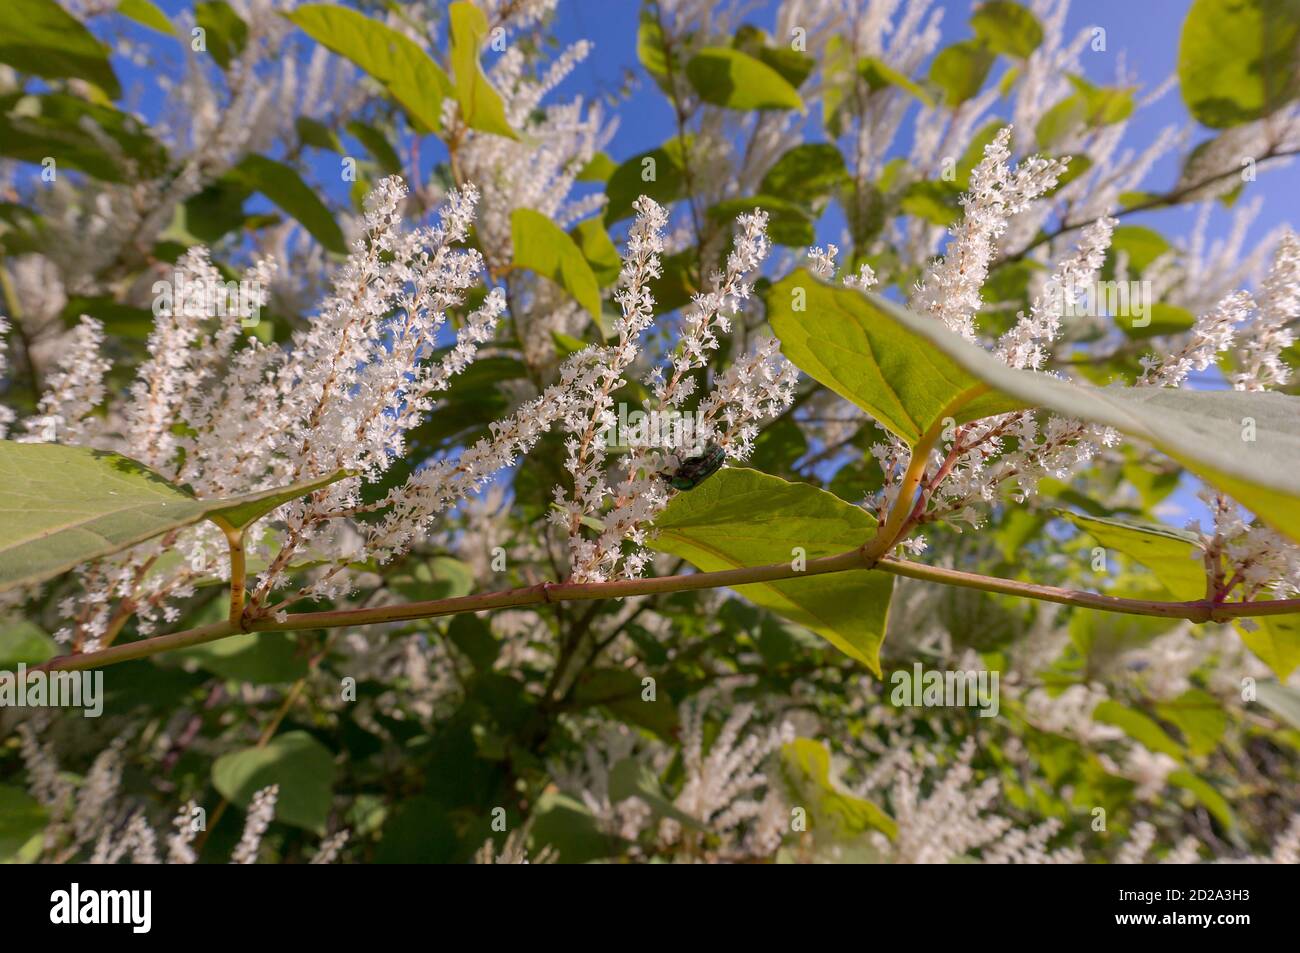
pixel 842 340
pixel 42 38
pixel 62 506
pixel 741 517
pixel 1246 444
pixel 1174 556
pixel 543 247
pixel 480 106
pixel 807 769
pixel 283 186
pixel 297 762
pixel 727 77
pixel 1239 60
pixel 405 70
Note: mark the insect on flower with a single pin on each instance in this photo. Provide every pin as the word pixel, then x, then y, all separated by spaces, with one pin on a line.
pixel 695 470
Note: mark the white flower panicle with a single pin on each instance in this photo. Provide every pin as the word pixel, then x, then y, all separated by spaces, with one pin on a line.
pixel 950 290
pixel 73 391
pixel 1259 357
pixel 1213 333
pixel 260 814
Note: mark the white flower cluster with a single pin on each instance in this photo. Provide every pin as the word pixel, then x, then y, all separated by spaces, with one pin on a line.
pixel 950 290
pixel 952 821
pixel 758 386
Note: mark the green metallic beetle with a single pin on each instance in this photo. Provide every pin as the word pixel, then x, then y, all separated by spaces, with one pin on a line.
pixel 695 470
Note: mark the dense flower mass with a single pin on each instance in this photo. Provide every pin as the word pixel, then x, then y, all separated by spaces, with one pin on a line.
pixel 606 505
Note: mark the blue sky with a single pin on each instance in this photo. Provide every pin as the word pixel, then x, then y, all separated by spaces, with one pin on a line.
pixel 1145 32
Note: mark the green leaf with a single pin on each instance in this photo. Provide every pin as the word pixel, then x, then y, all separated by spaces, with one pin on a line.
pixel 1137 726
pixel 1237 59
pixel 621 692
pixel 1244 443
pixel 960 70
pixel 880 74
pixel 226 32
pixel 1199 716
pixel 1007 27
pixel 808 174
pixel 632 778
pixel 442 577
pixel 1281 700
pixel 147 14
pixel 1275 639
pixel 97 139
pixel 650 49
pixel 480 106
pixel 261 658
pixel 21 818
pixel 472 636
pixel 41 38
pixel 935 202
pixel 406 71
pixel 599 169
pixel 26 642
pixel 730 78
pixel 1061 120
pixel 657 173
pixel 1142 245
pixel 283 186
pixel 314 133
pixel 569 827
pixel 1204 792
pixel 377 144
pixel 541 246
pixel 806 766
pixel 740 518
pixel 787 224
pixel 297 762
pixel 1161 319
pixel 843 341
pixel 62 506
pixel 594 242
pixel 1174 556
pixel 793 65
